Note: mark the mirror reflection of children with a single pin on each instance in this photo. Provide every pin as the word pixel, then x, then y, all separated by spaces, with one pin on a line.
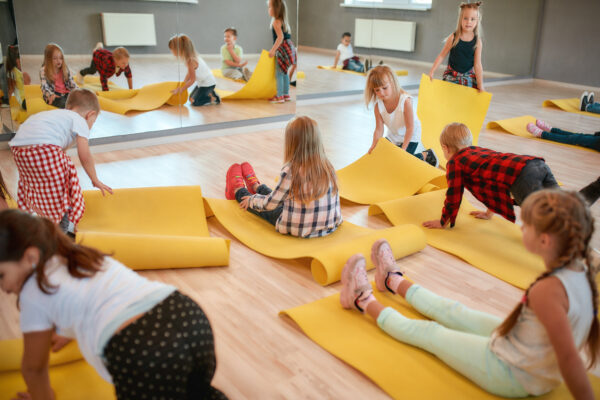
pixel 17 78
pixel 537 346
pixel 56 80
pixel 198 72
pixel 283 50
pixel 588 103
pixel 108 63
pixel 4 194
pixel 544 130
pixel 233 64
pixel 345 54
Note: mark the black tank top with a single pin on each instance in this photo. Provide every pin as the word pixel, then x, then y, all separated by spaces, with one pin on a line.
pixel 462 56
pixel 285 34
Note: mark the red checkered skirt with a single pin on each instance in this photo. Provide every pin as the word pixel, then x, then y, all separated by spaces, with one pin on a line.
pixel 48 183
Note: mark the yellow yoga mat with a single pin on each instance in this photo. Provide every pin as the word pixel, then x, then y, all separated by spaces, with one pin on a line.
pixel 152 228
pixel 387 173
pixel 92 83
pixel 35 104
pixel 261 85
pixel 217 73
pixel 339 68
pixel 149 97
pixel 328 254
pixel 441 103
pixel 300 75
pixel 71 377
pixel 494 246
pixel 569 105
pixel 401 370
pixel 518 126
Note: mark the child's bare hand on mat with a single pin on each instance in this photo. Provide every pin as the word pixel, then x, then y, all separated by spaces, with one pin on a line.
pixel 245 202
pixel 58 342
pixel 481 89
pixel 482 214
pixel 272 53
pixel 102 187
pixel 244 64
pixel 435 224
pixel 176 90
pixel 22 396
pixel 371 149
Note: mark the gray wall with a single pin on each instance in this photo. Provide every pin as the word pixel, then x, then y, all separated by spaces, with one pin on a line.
pixel 7 28
pixel 76 25
pixel 509 26
pixel 569 49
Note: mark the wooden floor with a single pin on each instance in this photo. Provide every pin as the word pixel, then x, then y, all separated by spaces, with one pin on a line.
pixel 261 355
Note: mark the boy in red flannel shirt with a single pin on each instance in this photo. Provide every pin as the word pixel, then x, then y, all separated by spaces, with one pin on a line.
pixel 491 176
pixel 109 64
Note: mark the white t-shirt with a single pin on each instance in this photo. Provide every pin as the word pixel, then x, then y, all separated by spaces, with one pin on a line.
pixel 204 76
pixel 345 51
pixel 396 126
pixel 57 127
pixel 83 309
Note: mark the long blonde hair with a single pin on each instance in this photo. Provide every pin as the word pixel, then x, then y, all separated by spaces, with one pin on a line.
pixel 375 79
pixel 280 13
pixel 49 65
pixel 565 215
pixel 312 174
pixel 183 47
pixel 478 31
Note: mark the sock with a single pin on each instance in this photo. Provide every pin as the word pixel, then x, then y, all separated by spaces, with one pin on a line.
pixel 363 300
pixel 393 281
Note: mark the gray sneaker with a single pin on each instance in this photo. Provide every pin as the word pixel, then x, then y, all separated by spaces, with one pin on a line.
pixel 247 74
pixel 431 158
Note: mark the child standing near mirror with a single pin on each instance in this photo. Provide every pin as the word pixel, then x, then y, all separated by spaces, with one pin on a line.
pixel 108 64
pixel 204 93
pixel 233 65
pixel 17 79
pixel 283 50
pixel 56 80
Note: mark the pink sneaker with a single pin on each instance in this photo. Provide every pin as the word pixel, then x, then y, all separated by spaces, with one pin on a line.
pixel 233 181
pixel 534 130
pixel 385 264
pixel 543 125
pixel 286 97
pixel 277 100
pixel 355 283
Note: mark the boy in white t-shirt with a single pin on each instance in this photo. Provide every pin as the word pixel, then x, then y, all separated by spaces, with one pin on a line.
pixel 48 183
pixel 346 55
pixel 232 63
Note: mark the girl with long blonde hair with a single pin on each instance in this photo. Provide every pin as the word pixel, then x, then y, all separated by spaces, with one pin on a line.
pixel 538 345
pixel 56 79
pixel 198 71
pixel 305 202
pixel 283 49
pixel 465 46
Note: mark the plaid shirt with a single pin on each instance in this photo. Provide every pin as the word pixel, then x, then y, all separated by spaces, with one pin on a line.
pixel 48 88
pixel 487 174
pixel 319 217
pixel 286 55
pixel 105 64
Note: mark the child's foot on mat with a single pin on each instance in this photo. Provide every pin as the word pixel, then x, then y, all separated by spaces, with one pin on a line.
pixel 277 100
pixel 356 289
pixel 249 177
pixel 543 125
pixel 534 130
pixel 233 181
pixel 583 101
pixel 287 97
pixel 387 272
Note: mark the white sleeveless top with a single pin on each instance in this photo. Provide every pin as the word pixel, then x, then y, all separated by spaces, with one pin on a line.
pixel 527 349
pixel 204 76
pixel 396 126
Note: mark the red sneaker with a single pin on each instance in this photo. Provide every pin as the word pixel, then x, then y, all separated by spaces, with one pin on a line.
pixel 249 177
pixel 277 100
pixel 233 181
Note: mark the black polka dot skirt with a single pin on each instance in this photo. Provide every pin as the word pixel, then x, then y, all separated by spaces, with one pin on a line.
pixel 167 354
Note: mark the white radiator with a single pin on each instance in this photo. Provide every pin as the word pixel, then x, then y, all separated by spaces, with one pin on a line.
pixel 125 29
pixel 385 34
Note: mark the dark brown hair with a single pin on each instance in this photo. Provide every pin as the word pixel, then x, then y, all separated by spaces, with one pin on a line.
pixel 232 30
pixel 20 231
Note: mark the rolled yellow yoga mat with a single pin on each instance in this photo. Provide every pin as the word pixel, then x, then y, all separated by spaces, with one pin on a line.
pixel 328 253
pixel 387 173
pixel 152 228
pixel 570 105
pixel 149 97
pixel 339 68
pixel 261 86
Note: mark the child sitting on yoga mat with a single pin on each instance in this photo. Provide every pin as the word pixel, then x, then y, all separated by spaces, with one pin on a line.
pixel 48 183
pixel 491 176
pixel 537 346
pixel 394 109
pixel 16 78
pixel 305 202
pixel 108 63
pixel 145 337
pixel 283 49
pixel 204 93
pixel 544 130
pixel 55 78
pixel 464 46
pixel 232 64
pixel 345 54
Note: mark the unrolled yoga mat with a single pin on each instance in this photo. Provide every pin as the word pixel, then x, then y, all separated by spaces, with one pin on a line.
pixel 339 68
pixel 92 83
pixel 569 105
pixel 149 97
pixel 441 103
pixel 261 85
pixel 387 173
pixel 71 377
pixel 218 73
pixel 401 370
pixel 35 104
pixel 518 126
pixel 328 254
pixel 494 246
pixel 152 228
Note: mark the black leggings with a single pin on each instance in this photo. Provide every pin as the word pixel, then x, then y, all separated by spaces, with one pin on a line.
pixel 168 353
pixel 270 216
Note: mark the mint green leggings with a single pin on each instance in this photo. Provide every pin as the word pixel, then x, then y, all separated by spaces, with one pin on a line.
pixel 461 339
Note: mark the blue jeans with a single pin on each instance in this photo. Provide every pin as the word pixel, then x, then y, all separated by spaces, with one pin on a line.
pixel 578 139
pixel 536 175
pixel 460 338
pixel 270 216
pixel 283 81
pixel 354 65
pixel 593 108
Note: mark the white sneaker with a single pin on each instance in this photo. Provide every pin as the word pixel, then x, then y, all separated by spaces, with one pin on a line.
pixel 355 282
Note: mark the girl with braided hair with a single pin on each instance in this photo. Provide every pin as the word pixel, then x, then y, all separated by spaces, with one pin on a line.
pixel 537 346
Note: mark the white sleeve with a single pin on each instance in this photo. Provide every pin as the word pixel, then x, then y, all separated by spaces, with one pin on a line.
pixel 340 48
pixel 80 127
pixel 33 316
